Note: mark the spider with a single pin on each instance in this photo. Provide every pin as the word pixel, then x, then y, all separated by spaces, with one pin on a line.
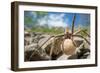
pixel 68 44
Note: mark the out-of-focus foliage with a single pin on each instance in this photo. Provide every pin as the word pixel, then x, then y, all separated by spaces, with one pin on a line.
pixel 31 18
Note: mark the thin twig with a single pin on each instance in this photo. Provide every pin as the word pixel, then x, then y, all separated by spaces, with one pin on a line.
pixel 73 22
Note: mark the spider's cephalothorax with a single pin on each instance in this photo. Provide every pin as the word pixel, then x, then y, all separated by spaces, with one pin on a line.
pixel 67 34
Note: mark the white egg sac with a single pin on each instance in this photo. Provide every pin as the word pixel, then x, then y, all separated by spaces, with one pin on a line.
pixel 68 47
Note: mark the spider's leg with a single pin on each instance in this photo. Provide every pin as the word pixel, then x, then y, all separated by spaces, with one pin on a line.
pixel 81 31
pixel 74 43
pixel 62 46
pixel 83 38
pixel 52 47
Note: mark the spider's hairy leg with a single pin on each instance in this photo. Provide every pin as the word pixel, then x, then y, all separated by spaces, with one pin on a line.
pixel 80 36
pixel 52 47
